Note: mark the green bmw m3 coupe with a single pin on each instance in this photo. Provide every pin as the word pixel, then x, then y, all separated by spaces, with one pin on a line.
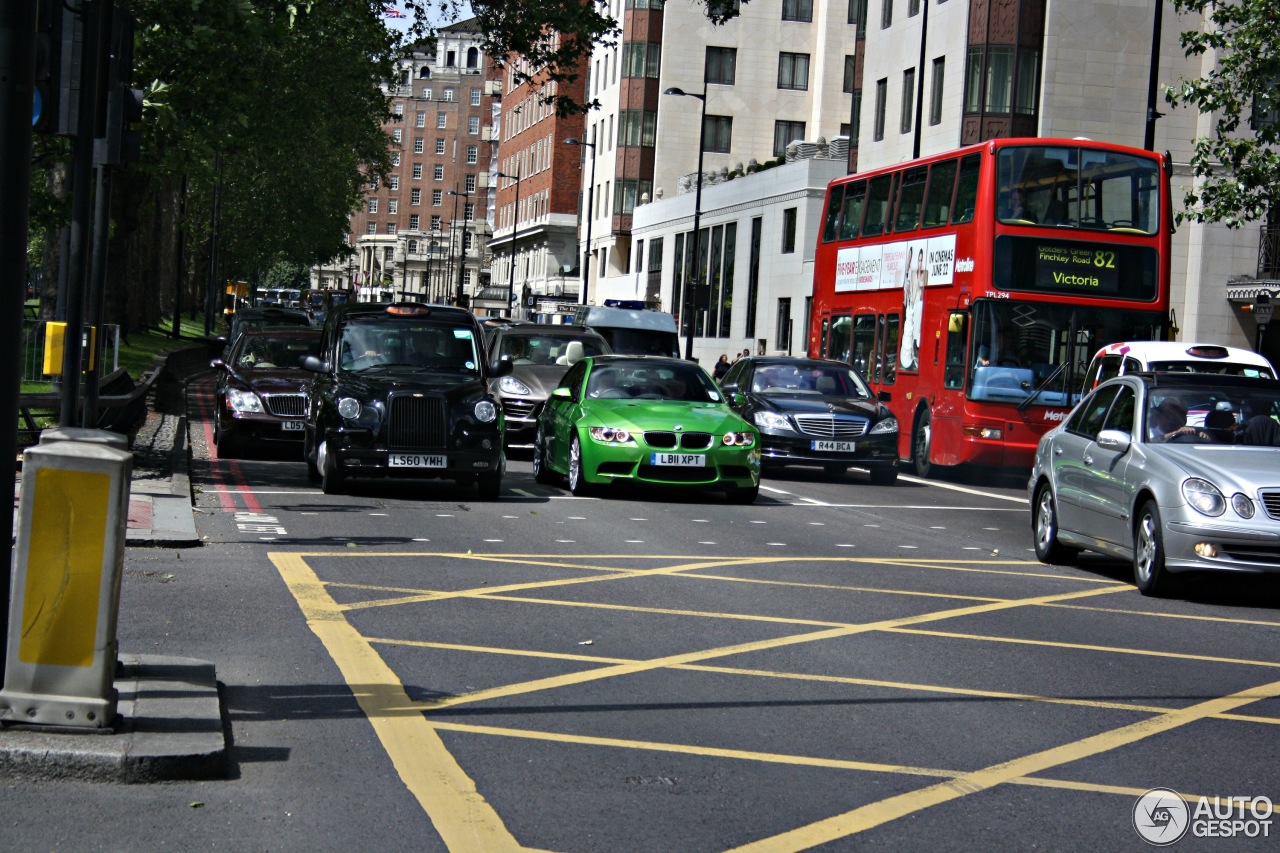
pixel 645 419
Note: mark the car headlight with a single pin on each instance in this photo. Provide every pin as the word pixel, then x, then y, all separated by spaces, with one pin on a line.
pixel 886 425
pixel 243 401
pixel 1204 497
pixel 349 408
pixel 771 422
pixel 610 435
pixel 1242 504
pixel 511 385
pixel 739 439
pixel 486 412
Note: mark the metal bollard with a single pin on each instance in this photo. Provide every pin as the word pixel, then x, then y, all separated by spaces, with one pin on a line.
pixel 72 519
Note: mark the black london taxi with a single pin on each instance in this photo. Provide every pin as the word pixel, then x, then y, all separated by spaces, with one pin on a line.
pixel 401 390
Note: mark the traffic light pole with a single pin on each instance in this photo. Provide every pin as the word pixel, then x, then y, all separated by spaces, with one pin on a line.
pixel 17 85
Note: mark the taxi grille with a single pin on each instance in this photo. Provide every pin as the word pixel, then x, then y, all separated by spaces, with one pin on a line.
pixel 831 426
pixel 417 423
pixel 286 405
pixel 685 440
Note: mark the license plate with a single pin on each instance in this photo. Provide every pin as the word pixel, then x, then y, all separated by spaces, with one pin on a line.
pixel 291 426
pixel 681 460
pixel 833 446
pixel 416 460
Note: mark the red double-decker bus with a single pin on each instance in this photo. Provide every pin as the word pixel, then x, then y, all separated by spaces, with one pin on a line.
pixel 974 286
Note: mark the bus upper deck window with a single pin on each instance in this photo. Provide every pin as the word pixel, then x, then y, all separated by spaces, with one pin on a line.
pixel 835 201
pixel 877 205
pixel 851 218
pixel 966 190
pixel 937 201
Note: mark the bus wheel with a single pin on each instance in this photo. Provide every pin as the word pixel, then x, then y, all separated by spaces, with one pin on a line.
pixel 920 440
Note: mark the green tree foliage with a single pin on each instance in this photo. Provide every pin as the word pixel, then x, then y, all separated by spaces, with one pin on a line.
pixel 284 275
pixel 1238 166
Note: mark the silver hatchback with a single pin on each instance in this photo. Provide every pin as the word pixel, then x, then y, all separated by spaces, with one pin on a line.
pixel 1176 472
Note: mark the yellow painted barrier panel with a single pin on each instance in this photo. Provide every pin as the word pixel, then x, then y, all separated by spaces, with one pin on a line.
pixel 64 578
pixel 55 336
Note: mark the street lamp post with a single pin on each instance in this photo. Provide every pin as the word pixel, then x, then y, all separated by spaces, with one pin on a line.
pixel 462 247
pixel 591 192
pixel 515 224
pixel 691 297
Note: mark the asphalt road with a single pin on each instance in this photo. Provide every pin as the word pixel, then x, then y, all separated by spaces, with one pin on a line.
pixel 837 667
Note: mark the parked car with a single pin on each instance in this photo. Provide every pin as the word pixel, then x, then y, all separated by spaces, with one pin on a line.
pixel 401 390
pixel 639 419
pixel 1176 472
pixel 815 412
pixel 540 355
pixel 1164 356
pixel 261 392
pixel 259 318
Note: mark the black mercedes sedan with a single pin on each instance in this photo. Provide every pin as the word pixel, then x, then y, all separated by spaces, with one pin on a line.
pixel 815 412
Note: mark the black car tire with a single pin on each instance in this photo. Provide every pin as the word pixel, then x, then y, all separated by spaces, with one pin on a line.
pixel 746 495
pixel 331 478
pixel 542 472
pixel 1149 572
pixel 491 481
pixel 309 455
pixel 577 483
pixel 885 475
pixel 1044 529
pixel 921 439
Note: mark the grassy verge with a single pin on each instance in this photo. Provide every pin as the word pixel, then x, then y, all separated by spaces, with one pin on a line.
pixel 136 356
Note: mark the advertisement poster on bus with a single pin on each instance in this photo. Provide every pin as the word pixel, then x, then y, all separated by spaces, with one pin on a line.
pixel 884 265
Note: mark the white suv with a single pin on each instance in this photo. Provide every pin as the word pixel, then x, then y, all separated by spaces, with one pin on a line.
pixel 1174 356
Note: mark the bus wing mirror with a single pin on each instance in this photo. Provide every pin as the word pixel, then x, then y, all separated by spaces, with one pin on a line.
pixel 955 323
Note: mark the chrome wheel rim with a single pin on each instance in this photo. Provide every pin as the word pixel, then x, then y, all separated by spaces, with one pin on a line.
pixel 1145 548
pixel 322 455
pixel 537 453
pixel 575 464
pixel 922 443
pixel 1044 522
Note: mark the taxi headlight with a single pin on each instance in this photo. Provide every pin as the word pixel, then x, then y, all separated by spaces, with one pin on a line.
pixel 1204 497
pixel 886 425
pixel 511 385
pixel 610 435
pixel 243 401
pixel 1242 504
pixel 771 422
pixel 349 408
pixel 486 411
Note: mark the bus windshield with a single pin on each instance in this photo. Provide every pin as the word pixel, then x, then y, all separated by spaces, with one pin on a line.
pixel 1070 187
pixel 1020 348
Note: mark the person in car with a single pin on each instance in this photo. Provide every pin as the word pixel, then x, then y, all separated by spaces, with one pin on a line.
pixel 1168 422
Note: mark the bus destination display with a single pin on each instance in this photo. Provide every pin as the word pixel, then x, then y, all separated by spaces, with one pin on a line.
pixel 1080 268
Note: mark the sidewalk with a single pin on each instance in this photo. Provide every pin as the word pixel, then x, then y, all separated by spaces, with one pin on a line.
pixel 169 714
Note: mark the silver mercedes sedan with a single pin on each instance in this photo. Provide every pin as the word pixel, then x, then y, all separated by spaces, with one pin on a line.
pixel 1176 472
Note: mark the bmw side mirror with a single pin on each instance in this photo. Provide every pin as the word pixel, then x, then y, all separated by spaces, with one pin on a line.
pixel 737 398
pixel 314 364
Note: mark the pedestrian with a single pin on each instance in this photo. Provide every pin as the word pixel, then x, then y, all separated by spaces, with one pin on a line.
pixel 721 368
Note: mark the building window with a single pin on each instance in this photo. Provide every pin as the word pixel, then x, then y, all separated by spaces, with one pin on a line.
pixel 797 10
pixel 396 135
pixel 717 134
pixel 627 192
pixel 420 119
pixel 371 228
pixel 448 94
pixel 637 128
pixel 469 211
pixel 850 67
pixel 784 133
pixel 858 16
pixel 442 121
pixel 440 146
pixel 471 183
pixel 722 65
pixel 856 115
pixel 473 154
pixel 973 80
pixel 391 228
pixel 393 182
pixel 372 206
pixel 437 198
pixel 641 59
pixel 882 96
pixel 417 145
pixel 473 124
pixel 935 91
pixel 393 206
pixel 886 14
pixel 415 196
pixel 417 171
pixel 1028 77
pixel 437 172
pixel 399 109
pixel 999 79
pixel 475 97
pixel 908 99
pixel 789 231
pixel 426 94
pixel 783 341
pixel 395 158
pixel 793 71
pixel 913 8
pixel 436 222
pixel 413 221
